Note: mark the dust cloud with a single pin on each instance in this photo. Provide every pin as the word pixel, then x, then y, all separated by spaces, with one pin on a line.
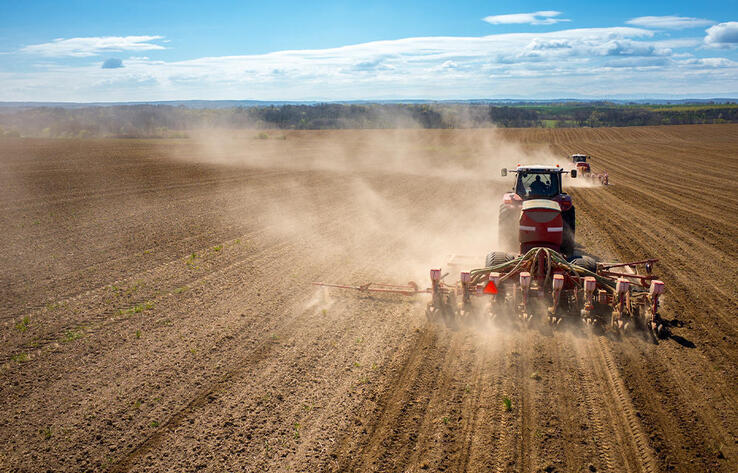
pixel 390 203
pixel 448 154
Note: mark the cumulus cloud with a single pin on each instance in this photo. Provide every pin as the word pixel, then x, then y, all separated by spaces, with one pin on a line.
pixel 371 65
pixel 572 62
pixel 112 63
pixel 723 35
pixel 638 62
pixel 626 47
pixel 545 17
pixel 92 46
pixel 538 44
pixel 716 62
pixel 669 22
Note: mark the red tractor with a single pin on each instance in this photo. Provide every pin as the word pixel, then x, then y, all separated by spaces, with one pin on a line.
pixel 584 169
pixel 542 280
pixel 537 213
pixel 580 161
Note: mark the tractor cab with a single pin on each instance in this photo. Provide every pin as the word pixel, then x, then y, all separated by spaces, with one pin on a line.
pixel 537 182
pixel 579 158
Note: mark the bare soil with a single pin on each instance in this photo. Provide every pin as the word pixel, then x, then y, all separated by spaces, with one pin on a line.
pixel 157 312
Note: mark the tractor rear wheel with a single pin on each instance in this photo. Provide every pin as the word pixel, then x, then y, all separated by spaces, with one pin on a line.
pixel 507 227
pixel 567 243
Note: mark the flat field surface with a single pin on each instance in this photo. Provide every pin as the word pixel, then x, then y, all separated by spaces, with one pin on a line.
pixel 157 312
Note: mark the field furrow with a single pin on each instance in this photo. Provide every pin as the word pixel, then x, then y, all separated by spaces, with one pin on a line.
pixel 158 313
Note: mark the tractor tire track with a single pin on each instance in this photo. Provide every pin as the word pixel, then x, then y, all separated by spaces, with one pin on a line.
pixel 643 455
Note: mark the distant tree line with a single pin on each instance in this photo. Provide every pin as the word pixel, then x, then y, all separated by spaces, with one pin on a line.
pixel 167 121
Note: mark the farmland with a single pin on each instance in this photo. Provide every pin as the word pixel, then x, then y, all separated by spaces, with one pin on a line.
pixel 158 314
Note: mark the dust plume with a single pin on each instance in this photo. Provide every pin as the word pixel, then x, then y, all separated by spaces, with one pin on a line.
pixel 406 199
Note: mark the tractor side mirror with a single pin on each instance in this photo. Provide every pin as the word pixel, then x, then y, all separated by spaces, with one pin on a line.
pixel 503 171
pixel 573 173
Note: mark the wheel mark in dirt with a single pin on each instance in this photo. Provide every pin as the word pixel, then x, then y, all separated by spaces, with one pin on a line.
pixel 528 453
pixel 707 409
pixel 602 439
pixel 200 400
pixel 401 390
pixel 151 274
pixel 567 381
pixel 38 309
pixel 260 353
pixel 106 194
pixel 680 294
pixel 402 445
pixel 483 433
pixel 700 414
pixel 510 429
pixel 447 399
pixel 102 320
pixel 471 405
pixel 644 456
pixel 626 247
pixel 31 308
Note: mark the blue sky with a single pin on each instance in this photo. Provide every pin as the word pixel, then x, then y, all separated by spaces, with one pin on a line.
pixel 295 50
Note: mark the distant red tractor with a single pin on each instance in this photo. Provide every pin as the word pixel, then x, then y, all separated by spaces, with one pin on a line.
pixel 584 169
pixel 580 161
pixel 537 213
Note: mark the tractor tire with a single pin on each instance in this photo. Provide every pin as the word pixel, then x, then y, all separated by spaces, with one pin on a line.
pixel 569 218
pixel 497 257
pixel 507 228
pixel 567 243
pixel 586 262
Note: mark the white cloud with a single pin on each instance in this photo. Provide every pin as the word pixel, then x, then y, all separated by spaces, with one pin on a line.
pixel 669 22
pixel 536 18
pixel 112 63
pixel 679 43
pixel 570 63
pixel 92 46
pixel 711 62
pixel 626 47
pixel 638 62
pixel 723 35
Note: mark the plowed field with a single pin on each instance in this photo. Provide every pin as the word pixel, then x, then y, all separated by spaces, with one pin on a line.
pixel 157 312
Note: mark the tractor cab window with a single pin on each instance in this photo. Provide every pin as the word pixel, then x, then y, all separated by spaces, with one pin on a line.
pixel 537 185
pixel 580 159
